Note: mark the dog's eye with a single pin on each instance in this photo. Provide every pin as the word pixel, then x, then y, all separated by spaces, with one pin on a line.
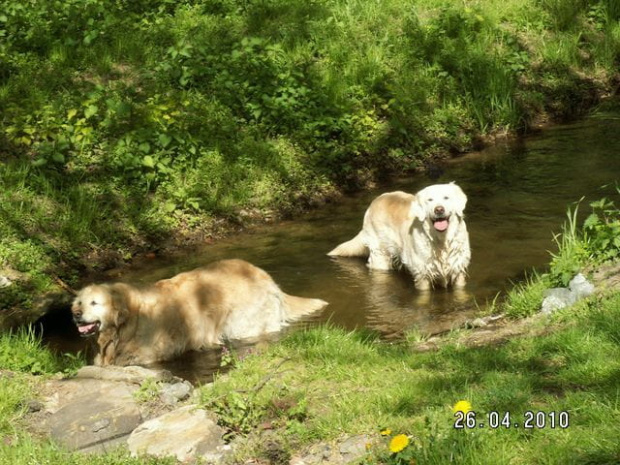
pixel 430 199
pixel 93 303
pixel 446 197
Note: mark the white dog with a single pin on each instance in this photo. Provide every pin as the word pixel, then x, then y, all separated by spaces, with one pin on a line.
pixel 424 232
pixel 229 299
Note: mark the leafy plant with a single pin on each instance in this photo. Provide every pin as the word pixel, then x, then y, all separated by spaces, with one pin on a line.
pixel 148 392
pixel 239 414
pixel 143 120
pixel 602 230
pixel 572 251
pixel 524 298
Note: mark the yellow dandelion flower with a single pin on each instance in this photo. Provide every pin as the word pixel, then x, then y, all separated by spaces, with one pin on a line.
pixel 386 432
pixel 462 406
pixel 398 443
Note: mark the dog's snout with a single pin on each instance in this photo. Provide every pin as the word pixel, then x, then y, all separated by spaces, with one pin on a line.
pixel 440 211
pixel 77 314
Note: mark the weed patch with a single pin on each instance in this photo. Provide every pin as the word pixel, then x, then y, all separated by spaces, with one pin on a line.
pixel 21 351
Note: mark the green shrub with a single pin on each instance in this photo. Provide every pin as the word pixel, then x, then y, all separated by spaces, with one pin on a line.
pixel 602 230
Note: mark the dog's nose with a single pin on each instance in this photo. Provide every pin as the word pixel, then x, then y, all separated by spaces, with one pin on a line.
pixel 439 211
pixel 77 314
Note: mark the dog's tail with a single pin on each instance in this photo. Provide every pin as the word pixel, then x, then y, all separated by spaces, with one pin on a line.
pixel 353 248
pixel 296 307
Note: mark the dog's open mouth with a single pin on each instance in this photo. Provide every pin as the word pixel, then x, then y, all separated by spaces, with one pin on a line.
pixel 440 224
pixel 88 329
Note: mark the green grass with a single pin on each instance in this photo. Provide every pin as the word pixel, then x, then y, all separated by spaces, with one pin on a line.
pixel 349 384
pixel 323 383
pixel 25 451
pixel 572 251
pixel 24 362
pixel 525 298
pixel 21 351
pixel 126 123
pixel 579 248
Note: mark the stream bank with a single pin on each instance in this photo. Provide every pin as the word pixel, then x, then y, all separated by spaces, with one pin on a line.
pixel 153 413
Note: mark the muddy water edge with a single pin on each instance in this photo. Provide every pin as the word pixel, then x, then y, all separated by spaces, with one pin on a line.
pixel 518 190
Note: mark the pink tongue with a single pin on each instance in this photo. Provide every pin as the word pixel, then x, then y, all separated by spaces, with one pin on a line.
pixel 86 328
pixel 441 225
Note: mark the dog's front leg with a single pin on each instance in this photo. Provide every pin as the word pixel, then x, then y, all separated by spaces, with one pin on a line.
pixel 460 281
pixel 422 284
pixel 107 349
pixel 379 260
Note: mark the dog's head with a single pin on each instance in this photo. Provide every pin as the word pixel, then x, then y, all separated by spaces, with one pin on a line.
pixel 97 308
pixel 438 204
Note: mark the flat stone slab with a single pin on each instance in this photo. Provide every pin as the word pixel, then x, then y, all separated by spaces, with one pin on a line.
pixel 96 410
pixel 102 414
pixel 128 374
pixel 187 433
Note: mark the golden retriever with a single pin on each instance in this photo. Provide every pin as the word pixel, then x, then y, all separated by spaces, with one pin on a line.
pixel 229 299
pixel 425 232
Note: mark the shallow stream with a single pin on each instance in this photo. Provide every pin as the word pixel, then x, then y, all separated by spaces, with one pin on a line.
pixel 519 192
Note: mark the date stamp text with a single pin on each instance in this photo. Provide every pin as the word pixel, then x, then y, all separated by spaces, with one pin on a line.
pixel 528 420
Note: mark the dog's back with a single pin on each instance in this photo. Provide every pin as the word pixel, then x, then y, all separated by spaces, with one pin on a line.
pixel 233 299
pixel 383 221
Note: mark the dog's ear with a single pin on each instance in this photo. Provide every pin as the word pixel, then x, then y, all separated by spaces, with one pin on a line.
pixel 417 210
pixel 120 297
pixel 460 199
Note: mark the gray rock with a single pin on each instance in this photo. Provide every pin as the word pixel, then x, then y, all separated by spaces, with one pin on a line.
pixel 187 434
pixel 318 453
pixel 103 412
pixel 560 297
pixel 33 406
pixel 556 298
pixel 8 276
pixel 478 323
pixel 171 394
pixel 349 450
pixel 483 321
pixel 129 374
pixel 354 448
pixel 581 287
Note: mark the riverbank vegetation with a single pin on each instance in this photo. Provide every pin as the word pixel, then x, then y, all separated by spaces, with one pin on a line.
pixel 548 396
pixel 579 248
pixel 24 365
pixel 128 126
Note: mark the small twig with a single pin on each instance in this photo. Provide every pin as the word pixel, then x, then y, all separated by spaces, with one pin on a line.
pixel 255 390
pixel 65 286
